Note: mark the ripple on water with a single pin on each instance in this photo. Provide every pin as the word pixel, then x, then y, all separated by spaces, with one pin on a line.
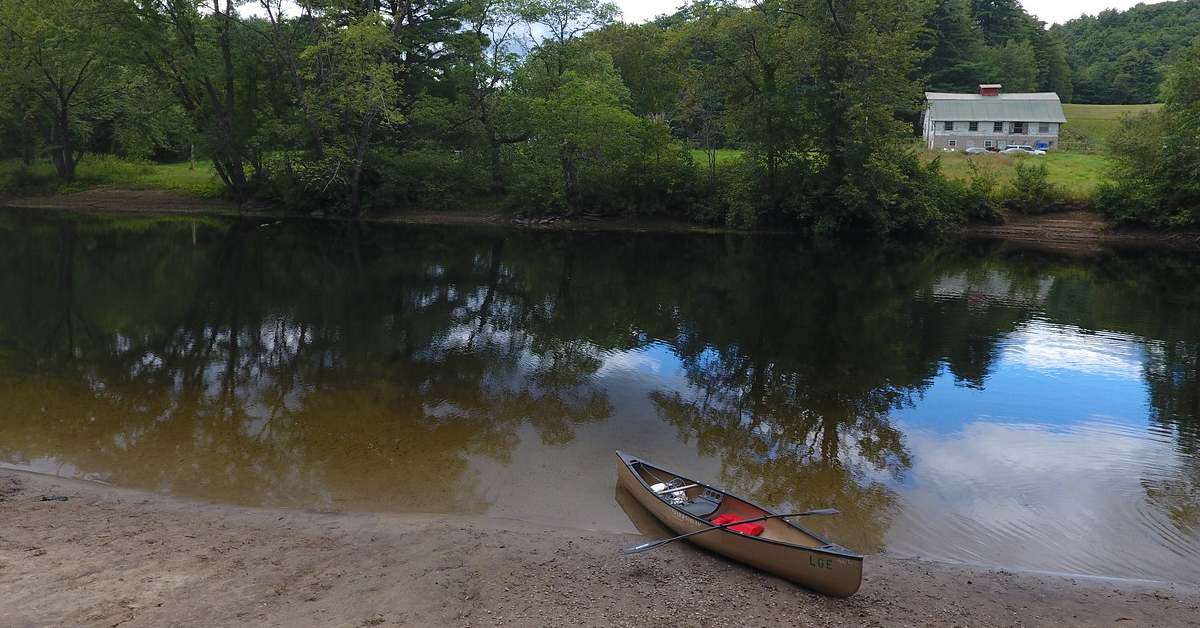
pixel 1103 498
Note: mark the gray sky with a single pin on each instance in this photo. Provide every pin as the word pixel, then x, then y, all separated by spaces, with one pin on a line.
pixel 1052 11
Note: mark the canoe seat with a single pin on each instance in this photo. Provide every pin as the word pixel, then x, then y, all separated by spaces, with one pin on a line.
pixel 702 506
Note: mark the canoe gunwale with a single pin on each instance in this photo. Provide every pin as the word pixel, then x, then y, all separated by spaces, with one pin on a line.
pixel 829 548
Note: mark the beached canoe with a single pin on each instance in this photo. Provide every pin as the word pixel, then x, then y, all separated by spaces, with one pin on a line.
pixel 783 548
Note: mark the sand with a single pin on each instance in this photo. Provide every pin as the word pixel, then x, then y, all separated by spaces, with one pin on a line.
pixel 115 557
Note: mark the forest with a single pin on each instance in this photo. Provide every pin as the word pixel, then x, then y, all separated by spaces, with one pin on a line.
pixel 356 107
pixel 1118 57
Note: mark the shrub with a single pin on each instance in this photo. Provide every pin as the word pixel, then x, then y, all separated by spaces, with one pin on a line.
pixel 1031 190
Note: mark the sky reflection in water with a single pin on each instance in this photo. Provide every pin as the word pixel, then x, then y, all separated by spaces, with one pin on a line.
pixel 971 403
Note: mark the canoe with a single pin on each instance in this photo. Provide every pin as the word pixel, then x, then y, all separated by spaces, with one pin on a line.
pixel 784 549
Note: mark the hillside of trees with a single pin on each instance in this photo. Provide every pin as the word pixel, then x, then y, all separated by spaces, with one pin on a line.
pixel 1119 57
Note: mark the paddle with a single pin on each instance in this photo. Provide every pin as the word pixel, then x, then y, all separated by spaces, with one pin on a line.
pixel 645 547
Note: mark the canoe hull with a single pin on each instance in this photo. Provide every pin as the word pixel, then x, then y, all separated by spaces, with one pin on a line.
pixel 832 573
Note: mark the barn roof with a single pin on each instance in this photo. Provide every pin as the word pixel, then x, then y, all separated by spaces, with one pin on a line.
pixel 1005 107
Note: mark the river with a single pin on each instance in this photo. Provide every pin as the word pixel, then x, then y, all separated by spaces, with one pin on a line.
pixel 969 402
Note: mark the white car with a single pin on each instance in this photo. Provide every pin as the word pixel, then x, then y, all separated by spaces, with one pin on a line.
pixel 975 150
pixel 1023 150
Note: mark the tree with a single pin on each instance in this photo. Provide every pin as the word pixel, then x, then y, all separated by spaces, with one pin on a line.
pixel 857 169
pixel 1000 20
pixel 196 46
pixel 642 55
pixel 1054 73
pixel 1106 50
pixel 488 61
pixel 1015 66
pixel 754 55
pixel 61 62
pixel 358 94
pixel 1137 78
pixel 1157 156
pixel 583 124
pixel 956 49
pixel 565 22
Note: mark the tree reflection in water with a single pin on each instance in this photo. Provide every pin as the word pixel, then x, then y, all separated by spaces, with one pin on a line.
pixel 375 366
pixel 286 368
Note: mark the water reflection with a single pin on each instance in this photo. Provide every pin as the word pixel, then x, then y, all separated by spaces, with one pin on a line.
pixel 954 402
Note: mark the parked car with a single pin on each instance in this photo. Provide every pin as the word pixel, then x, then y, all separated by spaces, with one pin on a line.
pixel 975 150
pixel 1021 149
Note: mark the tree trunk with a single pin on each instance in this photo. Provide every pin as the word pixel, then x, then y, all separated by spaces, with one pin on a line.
pixel 769 89
pixel 570 177
pixel 360 156
pixel 26 145
pixel 62 148
pixel 494 156
pixel 233 165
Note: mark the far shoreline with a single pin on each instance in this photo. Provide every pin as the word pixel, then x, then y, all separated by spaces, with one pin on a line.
pixel 1076 231
pixel 108 555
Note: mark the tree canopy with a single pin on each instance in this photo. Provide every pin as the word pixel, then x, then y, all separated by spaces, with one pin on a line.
pixel 1118 57
pixel 545 106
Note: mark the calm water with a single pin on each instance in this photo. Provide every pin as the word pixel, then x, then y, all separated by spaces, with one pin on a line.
pixel 969 403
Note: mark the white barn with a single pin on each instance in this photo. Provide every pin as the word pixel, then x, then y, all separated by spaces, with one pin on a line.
pixel 991 119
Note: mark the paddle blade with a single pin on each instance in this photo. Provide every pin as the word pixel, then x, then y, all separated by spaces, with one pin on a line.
pixel 644 547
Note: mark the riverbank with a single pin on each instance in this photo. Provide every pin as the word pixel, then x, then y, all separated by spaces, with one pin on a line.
pixel 1078 232
pixel 1069 232
pixel 108 556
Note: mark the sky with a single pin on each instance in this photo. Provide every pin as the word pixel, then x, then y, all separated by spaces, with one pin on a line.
pixel 1051 11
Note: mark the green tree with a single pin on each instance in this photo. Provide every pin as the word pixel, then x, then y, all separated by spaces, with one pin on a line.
pixel 583 125
pixel 643 57
pixel 201 48
pixel 1014 65
pixel 62 64
pixel 1054 73
pixel 358 96
pixel 489 59
pixel 956 49
pixel 1106 50
pixel 1000 20
pixel 1157 156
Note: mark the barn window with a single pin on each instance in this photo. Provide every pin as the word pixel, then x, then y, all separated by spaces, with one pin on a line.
pixel 1018 128
pixel 998 127
pixel 1044 128
pixel 948 126
pixel 952 143
pixel 974 127
pixel 987 144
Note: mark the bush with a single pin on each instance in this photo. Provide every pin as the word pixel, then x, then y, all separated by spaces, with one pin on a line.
pixel 1031 190
pixel 432 177
pixel 979 195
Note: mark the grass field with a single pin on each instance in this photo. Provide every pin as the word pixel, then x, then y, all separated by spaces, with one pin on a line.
pixel 724 156
pixel 1097 122
pixel 1076 172
pixel 1077 175
pixel 106 170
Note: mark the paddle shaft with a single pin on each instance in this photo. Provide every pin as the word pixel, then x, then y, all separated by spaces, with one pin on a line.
pixel 656 544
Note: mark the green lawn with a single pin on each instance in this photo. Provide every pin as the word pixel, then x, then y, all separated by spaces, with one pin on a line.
pixel 1096 122
pixel 724 156
pixel 1077 175
pixel 105 170
pixel 1078 169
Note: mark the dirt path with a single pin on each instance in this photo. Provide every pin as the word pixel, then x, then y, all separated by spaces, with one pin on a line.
pixel 109 557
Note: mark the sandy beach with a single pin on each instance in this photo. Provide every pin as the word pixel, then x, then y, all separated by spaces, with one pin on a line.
pixel 113 557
